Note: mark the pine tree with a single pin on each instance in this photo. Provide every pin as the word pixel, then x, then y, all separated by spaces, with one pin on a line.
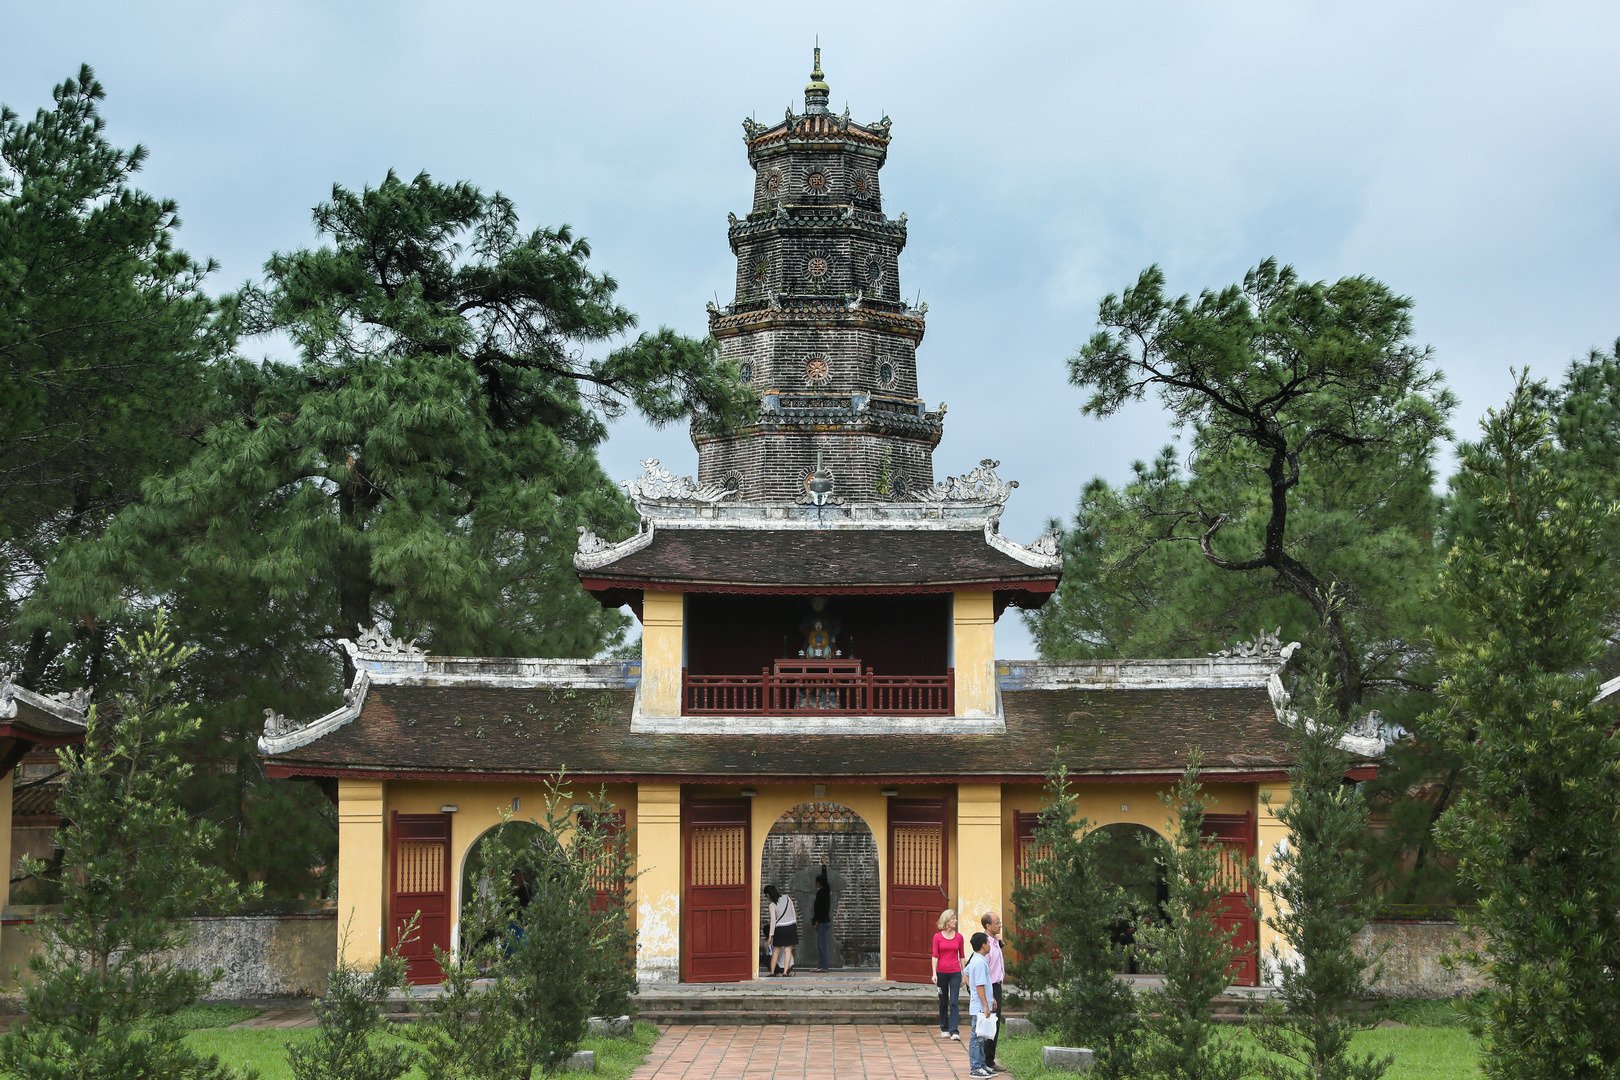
pixel 105 337
pixel 1319 904
pixel 1064 937
pixel 346 1046
pixel 1534 592
pixel 104 983
pixel 1190 951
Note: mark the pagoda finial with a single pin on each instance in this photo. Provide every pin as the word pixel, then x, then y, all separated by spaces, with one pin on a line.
pixel 816 91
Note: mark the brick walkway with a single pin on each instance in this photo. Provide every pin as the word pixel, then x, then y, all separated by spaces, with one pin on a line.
pixel 804 1052
pixel 280 1018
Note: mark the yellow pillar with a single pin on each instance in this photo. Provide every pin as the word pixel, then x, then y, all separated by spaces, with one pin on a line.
pixel 974 622
pixel 662 623
pixel 978 852
pixel 658 889
pixel 1270 833
pixel 362 871
pixel 5 835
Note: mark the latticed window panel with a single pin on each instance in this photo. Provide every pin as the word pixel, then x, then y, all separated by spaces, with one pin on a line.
pixel 917 856
pixel 718 855
pixel 1031 853
pixel 1231 873
pixel 421 867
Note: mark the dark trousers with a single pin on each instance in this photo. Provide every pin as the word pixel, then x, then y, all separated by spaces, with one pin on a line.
pixel 990 1044
pixel 950 1005
pixel 822 953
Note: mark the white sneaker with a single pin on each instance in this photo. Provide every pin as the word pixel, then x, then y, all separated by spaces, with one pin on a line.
pixel 944 1034
pixel 956 1037
pixel 981 1074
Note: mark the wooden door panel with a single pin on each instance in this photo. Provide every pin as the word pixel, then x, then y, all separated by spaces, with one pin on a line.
pixel 1233 836
pixel 718 912
pixel 917 877
pixel 419 886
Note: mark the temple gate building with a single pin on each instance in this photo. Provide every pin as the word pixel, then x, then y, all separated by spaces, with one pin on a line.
pixel 818 683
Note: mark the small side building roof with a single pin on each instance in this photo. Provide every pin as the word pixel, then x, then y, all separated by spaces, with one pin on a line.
pixel 42 719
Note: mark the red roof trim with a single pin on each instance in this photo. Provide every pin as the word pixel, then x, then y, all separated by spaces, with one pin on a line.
pixel 1041 585
pixel 27 734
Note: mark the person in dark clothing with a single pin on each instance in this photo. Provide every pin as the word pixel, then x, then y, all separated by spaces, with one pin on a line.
pixel 821 919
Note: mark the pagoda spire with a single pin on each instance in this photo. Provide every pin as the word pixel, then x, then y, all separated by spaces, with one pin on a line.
pixel 816 90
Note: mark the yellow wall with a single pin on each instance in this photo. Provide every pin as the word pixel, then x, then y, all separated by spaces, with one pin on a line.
pixel 362 870
pixel 979 835
pixel 662 621
pixel 974 620
pixel 1110 804
pixel 478 809
pixel 658 890
pixel 1271 832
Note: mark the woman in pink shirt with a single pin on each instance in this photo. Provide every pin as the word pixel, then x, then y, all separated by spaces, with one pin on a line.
pixel 949 948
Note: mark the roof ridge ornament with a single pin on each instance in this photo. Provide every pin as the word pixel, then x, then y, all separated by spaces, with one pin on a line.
pixel 1265 644
pixel 373 640
pixel 816 91
pixel 658 484
pixel 72 706
pixel 979 485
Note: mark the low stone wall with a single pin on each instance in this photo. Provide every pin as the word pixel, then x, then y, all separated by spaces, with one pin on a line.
pixel 269 951
pixel 1412 965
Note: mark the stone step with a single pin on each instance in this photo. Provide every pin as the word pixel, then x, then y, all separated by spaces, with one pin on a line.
pixel 759 1017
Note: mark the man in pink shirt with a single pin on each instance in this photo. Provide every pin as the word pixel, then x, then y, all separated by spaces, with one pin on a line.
pixel 998 974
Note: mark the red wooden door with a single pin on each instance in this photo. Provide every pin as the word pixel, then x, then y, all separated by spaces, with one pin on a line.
pixel 916 885
pixel 420 886
pixel 719 933
pixel 1232 835
pixel 609 883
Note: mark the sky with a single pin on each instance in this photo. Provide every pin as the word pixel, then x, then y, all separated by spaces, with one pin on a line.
pixel 1467 154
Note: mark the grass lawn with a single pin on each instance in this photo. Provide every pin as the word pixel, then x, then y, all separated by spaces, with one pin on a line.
pixel 1433 1047
pixel 265 1049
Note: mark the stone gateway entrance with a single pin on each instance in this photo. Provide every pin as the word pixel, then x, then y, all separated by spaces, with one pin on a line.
pixel 817 837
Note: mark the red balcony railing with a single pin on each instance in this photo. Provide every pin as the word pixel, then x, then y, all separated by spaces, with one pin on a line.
pixel 818 688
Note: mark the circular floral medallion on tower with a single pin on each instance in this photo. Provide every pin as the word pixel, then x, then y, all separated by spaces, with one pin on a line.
pixel 733 483
pixel 818 372
pixel 898 486
pixel 816 266
pixel 761 268
pixel 746 371
pixel 816 183
pixel 862 185
pixel 774 181
pixel 886 374
pixel 874 271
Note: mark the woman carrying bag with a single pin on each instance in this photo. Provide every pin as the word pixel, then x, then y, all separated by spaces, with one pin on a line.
pixel 784 931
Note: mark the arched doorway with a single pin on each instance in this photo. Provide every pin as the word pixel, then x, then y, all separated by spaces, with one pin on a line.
pixel 808 838
pixel 474 883
pixel 1125 859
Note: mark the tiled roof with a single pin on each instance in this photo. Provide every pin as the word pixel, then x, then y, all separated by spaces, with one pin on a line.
pixel 714 559
pixel 37 801
pixel 493 731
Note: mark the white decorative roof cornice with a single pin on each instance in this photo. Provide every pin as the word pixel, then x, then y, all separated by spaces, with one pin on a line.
pixel 980 486
pixel 594 552
pixel 657 484
pixel 1043 554
pixel 71 706
pixel 281 735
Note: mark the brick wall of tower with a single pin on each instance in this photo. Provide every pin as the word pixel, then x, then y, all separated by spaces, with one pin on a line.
pixel 773 465
pixel 780 359
pixel 779 260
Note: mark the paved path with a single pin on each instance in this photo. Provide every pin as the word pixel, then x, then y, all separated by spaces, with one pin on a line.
pixel 280 1018
pixel 804 1052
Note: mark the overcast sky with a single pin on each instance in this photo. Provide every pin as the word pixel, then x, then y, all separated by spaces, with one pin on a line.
pixel 1467 154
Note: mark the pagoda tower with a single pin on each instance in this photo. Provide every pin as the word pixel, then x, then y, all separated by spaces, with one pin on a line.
pixel 818 325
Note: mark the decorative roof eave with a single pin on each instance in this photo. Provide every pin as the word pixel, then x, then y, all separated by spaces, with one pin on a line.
pixel 1043 554
pixel 594 552
pixel 70 709
pixel 281 735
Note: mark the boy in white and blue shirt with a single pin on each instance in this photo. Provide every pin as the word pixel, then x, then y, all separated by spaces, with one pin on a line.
pixel 976 976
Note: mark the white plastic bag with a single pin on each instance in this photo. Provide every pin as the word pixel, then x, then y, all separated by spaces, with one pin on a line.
pixel 985 1026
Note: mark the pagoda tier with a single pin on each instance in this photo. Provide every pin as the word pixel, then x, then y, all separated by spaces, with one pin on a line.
pixel 818 325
